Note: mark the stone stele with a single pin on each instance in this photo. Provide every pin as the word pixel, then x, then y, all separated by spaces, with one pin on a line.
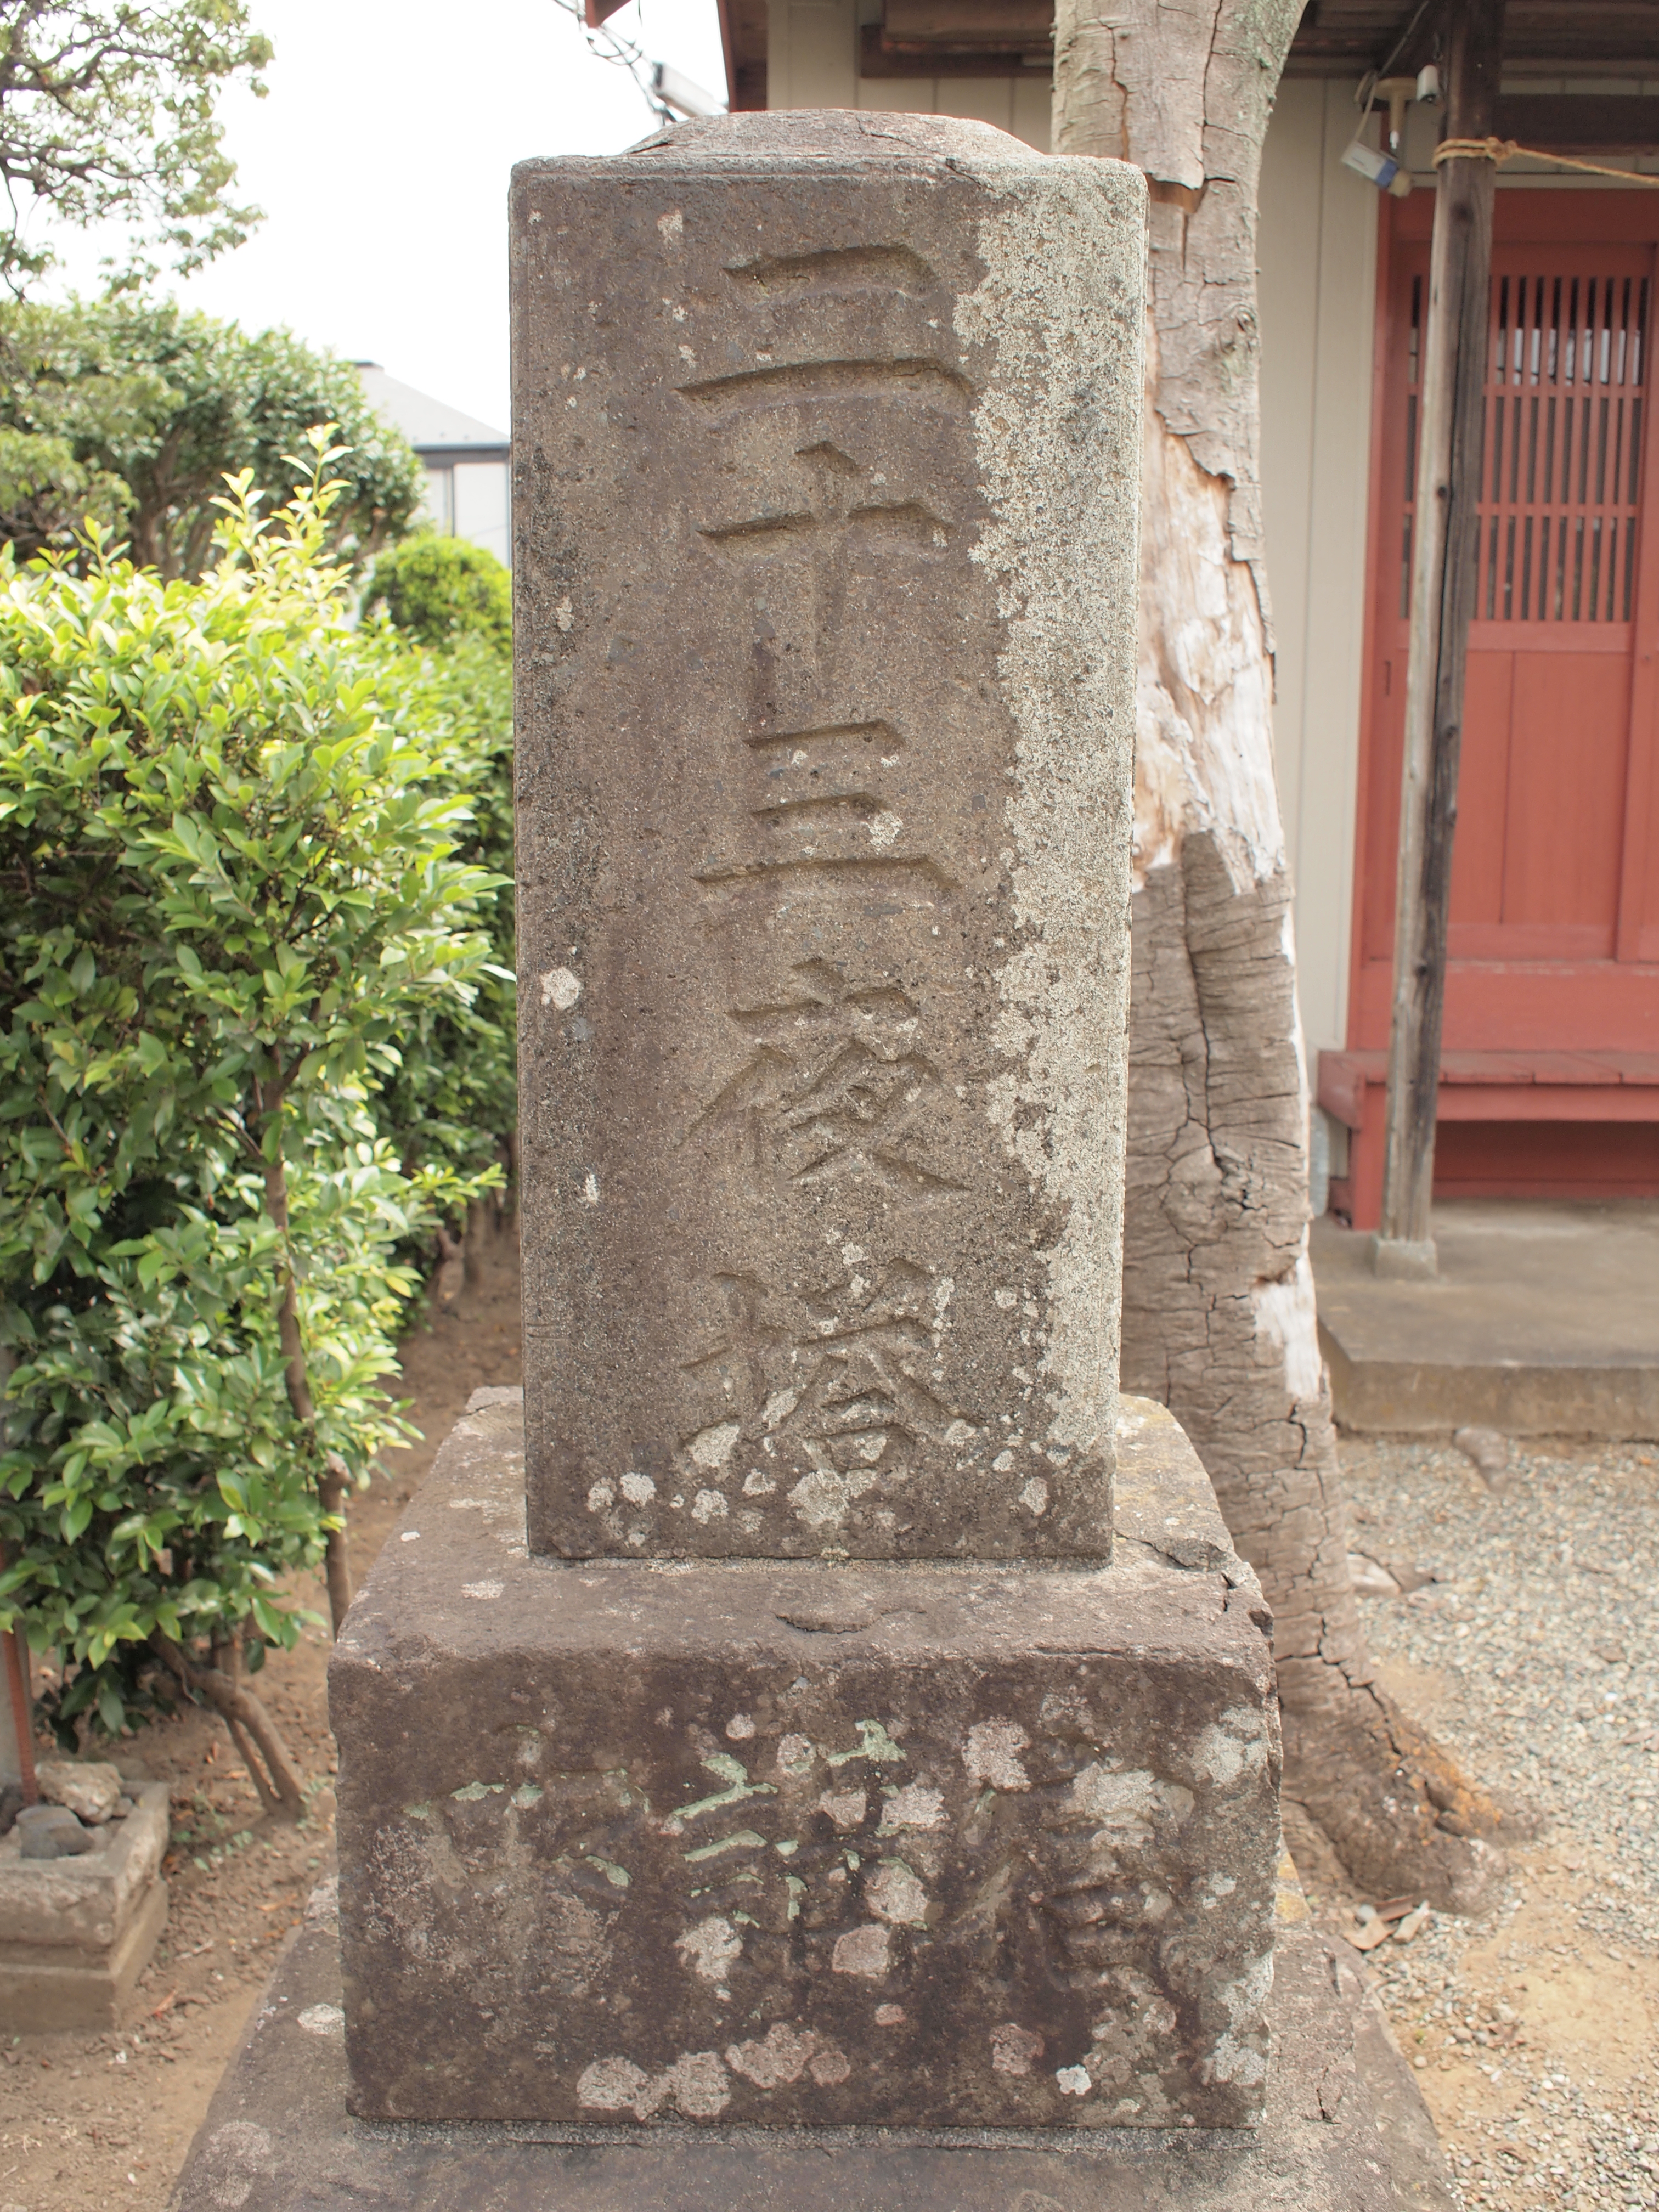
pixel 770 1731
pixel 827 437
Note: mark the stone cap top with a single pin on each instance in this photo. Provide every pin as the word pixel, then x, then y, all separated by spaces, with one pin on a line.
pixel 867 134
pixel 1163 1498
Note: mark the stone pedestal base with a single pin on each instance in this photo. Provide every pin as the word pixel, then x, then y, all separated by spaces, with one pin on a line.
pixel 807 1845
pixel 76 1933
pixel 1344 2130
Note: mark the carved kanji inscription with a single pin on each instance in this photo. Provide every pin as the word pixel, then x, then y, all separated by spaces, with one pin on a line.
pixel 796 1201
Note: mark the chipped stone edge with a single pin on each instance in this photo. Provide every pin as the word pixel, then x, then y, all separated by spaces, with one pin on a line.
pixel 1057 435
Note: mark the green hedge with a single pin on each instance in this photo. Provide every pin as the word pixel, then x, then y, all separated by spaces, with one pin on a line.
pixel 240 895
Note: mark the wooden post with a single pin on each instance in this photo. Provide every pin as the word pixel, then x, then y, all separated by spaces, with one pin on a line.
pixel 22 1714
pixel 1447 494
pixel 15 1660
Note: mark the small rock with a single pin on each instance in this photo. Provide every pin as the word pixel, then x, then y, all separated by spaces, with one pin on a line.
pixel 1368 1937
pixel 91 1788
pixel 50 1831
pixel 1412 1575
pixel 1412 1925
pixel 1488 1451
pixel 1370 1577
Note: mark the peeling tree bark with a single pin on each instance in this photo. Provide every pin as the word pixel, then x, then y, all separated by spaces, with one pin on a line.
pixel 1218 1309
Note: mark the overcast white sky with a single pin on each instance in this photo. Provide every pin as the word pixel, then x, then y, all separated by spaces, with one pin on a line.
pixel 381 159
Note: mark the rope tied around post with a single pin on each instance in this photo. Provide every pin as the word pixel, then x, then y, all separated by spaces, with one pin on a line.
pixel 1500 150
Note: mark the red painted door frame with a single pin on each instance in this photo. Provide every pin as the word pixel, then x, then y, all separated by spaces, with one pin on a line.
pixel 1555 940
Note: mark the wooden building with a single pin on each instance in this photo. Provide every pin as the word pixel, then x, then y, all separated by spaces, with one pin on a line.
pixel 1550 1073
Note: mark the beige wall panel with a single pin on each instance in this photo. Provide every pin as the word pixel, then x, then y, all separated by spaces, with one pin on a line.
pixel 812 62
pixel 900 95
pixel 1317 247
pixel 1034 98
pixel 811 54
pixel 981 99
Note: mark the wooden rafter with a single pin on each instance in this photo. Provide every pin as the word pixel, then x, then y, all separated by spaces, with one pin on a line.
pixel 1336 37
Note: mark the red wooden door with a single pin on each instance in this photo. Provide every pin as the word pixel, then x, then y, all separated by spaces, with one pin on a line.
pixel 1555 891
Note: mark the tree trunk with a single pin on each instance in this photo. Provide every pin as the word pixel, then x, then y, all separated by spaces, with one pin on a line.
pixel 332 1483
pixel 277 1780
pixel 1219 1307
pixel 479 1220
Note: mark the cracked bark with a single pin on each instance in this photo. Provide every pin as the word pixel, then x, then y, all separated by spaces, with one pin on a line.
pixel 1218 1317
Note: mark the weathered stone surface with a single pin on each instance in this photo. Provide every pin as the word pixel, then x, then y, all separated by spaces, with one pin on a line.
pixel 827 438
pixel 90 1788
pixel 76 1933
pixel 1346 2130
pixel 801 1844
pixel 88 1901
pixel 58 1989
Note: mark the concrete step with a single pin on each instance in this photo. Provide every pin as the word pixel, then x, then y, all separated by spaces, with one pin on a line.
pixel 1543 1321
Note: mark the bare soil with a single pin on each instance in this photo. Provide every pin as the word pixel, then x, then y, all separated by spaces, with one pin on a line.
pixel 89 2122
pixel 1533 2041
pixel 1527 1640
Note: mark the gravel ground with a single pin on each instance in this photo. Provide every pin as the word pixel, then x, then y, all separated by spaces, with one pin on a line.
pixel 1534 1655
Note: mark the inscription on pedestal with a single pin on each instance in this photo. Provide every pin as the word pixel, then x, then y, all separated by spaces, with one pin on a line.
pixel 793 1845
pixel 823 921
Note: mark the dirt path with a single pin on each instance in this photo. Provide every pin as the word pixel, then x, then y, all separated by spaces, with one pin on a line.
pixel 91 2122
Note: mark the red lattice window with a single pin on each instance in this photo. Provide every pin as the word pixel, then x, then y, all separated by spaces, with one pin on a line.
pixel 1561 438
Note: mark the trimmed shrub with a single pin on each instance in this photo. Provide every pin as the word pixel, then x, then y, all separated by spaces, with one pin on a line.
pixel 231 834
pixel 441 590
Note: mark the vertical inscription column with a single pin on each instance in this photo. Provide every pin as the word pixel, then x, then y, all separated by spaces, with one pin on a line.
pixel 827 442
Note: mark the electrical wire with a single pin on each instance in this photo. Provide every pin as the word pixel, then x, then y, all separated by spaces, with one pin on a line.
pixel 1365 92
pixel 608 46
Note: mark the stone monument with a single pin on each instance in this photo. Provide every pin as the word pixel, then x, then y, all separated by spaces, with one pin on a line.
pixel 794 1727
pixel 825 1753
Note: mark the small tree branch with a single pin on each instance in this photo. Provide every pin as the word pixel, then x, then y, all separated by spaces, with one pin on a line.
pixel 227 1659
pixel 334 1481
pixel 22 1717
pixel 234 1704
pixel 333 1485
pixel 22 1705
pixel 238 1736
